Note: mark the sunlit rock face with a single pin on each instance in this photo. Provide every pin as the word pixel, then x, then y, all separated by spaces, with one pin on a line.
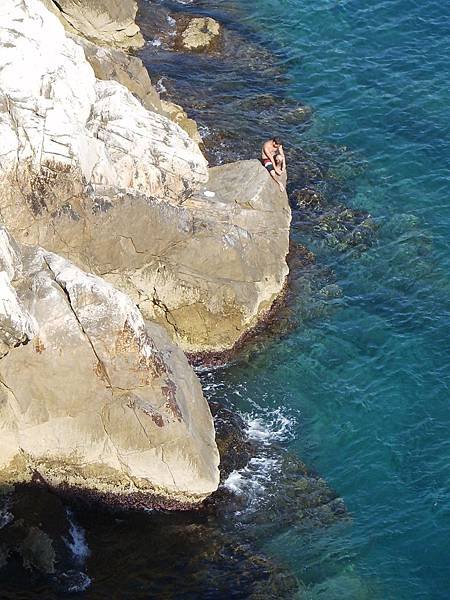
pixel 62 128
pixel 110 22
pixel 93 399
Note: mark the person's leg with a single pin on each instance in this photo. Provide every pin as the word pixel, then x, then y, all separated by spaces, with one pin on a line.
pixel 279 162
pixel 276 179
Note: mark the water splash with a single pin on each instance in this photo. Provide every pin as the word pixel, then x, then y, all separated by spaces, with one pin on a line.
pixel 77 543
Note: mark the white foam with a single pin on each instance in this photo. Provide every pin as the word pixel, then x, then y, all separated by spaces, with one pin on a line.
pixel 251 481
pixel 77 542
pixel 235 482
pixel 272 426
pixel 82 585
pixel 75 581
pixel 204 131
pixel 156 42
pixel 160 87
pixel 209 194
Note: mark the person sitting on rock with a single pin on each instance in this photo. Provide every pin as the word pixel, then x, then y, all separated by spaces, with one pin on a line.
pixel 272 157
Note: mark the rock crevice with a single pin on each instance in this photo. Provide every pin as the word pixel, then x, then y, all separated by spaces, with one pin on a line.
pixel 92 366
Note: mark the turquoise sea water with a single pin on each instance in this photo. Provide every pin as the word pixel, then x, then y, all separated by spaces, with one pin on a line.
pixel 368 384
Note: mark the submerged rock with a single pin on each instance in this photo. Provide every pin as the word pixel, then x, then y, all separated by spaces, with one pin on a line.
pixel 197 34
pixel 235 448
pixel 109 406
pixel 42 536
pixel 342 227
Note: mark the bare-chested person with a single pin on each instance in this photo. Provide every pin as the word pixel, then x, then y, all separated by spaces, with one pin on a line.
pixel 272 157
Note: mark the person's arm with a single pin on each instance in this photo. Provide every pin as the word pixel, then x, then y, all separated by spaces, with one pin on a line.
pixel 278 171
pixel 271 155
pixel 283 164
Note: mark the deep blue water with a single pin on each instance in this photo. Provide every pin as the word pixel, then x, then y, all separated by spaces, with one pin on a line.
pixel 369 383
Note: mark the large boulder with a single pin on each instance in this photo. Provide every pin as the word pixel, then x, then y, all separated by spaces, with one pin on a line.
pixel 223 277
pixel 110 22
pixel 92 398
pixel 207 269
pixel 58 122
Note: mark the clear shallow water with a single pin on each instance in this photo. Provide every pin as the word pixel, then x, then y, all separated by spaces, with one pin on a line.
pixel 371 381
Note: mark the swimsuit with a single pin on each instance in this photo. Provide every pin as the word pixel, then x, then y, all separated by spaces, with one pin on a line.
pixel 268 164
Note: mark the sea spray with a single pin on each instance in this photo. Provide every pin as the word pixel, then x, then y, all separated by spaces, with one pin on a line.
pixel 76 542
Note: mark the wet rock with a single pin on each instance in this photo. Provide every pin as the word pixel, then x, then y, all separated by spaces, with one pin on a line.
pixel 309 199
pixel 189 555
pixel 268 488
pixel 197 34
pixel 331 291
pixel 235 449
pixel 297 497
pixel 37 551
pixel 36 530
pixel 40 537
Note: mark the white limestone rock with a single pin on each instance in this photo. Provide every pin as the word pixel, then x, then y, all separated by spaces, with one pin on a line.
pixel 94 399
pixel 55 114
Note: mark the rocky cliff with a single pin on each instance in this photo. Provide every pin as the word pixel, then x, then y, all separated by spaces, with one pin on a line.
pixel 89 172
pixel 91 397
pixel 110 22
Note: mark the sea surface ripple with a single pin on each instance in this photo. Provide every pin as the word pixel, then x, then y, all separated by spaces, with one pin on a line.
pixel 371 380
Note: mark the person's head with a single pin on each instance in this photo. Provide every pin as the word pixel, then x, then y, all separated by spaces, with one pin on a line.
pixel 276 142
